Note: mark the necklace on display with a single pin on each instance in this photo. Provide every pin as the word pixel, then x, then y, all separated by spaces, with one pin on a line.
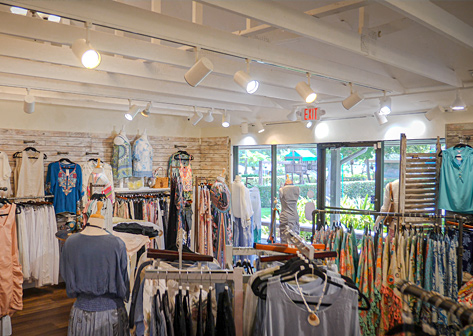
pixel 313 319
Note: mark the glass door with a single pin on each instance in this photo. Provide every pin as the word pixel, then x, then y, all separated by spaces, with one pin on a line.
pixel 351 179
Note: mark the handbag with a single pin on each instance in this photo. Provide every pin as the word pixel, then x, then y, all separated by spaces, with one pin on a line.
pixel 160 182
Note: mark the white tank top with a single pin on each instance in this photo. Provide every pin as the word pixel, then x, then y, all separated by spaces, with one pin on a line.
pixel 31 175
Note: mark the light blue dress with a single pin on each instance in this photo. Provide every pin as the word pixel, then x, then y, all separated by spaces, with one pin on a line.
pixel 456 180
pixel 142 158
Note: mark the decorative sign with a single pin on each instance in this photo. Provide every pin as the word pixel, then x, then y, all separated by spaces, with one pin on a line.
pixel 310 113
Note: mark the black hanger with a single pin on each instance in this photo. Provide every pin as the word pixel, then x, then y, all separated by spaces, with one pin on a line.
pixel 62 160
pixel 411 328
pixel 17 154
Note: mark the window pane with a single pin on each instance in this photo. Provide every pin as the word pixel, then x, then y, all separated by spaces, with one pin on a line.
pixel 350 183
pixel 254 167
pixel 300 164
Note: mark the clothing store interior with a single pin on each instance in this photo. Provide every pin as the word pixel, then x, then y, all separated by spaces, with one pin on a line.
pixel 240 168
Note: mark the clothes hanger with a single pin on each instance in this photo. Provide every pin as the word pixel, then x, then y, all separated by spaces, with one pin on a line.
pixel 62 160
pixel 17 154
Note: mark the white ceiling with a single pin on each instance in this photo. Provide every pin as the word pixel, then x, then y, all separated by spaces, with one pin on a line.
pixel 418 51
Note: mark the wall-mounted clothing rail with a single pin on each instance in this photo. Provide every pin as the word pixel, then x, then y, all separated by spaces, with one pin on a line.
pixel 205 277
pixel 143 191
pixel 463 312
pixel 318 223
pixel 29 197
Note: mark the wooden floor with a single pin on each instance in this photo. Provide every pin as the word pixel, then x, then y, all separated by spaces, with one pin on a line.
pixel 45 312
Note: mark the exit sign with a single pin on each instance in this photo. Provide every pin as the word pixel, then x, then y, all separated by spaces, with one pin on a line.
pixel 310 113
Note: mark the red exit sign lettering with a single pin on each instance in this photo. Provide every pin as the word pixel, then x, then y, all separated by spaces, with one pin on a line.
pixel 310 113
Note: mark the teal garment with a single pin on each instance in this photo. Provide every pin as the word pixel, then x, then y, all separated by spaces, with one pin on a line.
pixel 456 180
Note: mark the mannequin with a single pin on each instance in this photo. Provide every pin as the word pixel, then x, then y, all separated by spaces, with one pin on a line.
pixel 94 267
pixel 119 140
pixel 144 135
pixel 289 218
pixel 242 211
pixel 96 223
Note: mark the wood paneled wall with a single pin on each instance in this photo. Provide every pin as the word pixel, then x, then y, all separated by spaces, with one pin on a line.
pixel 211 155
pixel 453 133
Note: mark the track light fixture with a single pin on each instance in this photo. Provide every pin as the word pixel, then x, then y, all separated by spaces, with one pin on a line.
pixel 225 119
pixel 433 113
pixel 245 81
pixel 244 127
pixel 132 111
pixel 259 126
pixel 196 117
pixel 305 91
pixel 209 117
pixel 384 105
pixel 458 104
pixel 28 105
pixel 201 69
pixel 145 112
pixel 293 115
pixel 89 57
pixel 353 99
pixel 380 118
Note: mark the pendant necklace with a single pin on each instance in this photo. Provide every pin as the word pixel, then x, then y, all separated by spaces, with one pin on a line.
pixel 313 319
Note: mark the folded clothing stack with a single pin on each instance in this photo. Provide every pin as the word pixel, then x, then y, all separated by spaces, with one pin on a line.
pixel 135 228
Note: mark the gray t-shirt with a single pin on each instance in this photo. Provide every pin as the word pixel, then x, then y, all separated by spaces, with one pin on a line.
pixel 284 317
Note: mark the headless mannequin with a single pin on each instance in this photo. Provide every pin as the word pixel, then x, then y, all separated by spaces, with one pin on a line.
pixel 242 212
pixel 289 218
pixel 119 140
pixel 95 224
pixel 144 135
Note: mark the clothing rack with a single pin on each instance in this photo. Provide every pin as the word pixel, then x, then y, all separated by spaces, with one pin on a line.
pixel 340 211
pixel 296 240
pixel 29 197
pixel 143 191
pixel 463 312
pixel 208 276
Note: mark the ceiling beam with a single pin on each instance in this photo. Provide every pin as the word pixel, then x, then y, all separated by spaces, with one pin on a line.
pixel 93 91
pixel 334 8
pixel 41 30
pixel 280 16
pixel 20 48
pixel 128 18
pixel 435 18
pixel 84 76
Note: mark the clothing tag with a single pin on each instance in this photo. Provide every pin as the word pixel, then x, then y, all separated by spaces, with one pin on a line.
pixel 459 157
pixel 67 172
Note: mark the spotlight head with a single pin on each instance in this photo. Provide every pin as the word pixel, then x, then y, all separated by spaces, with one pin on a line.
pixel 225 120
pixel 259 126
pixel 458 104
pixel 244 80
pixel 352 100
pixel 293 115
pixel 209 117
pixel 196 118
pixel 380 118
pixel 132 112
pixel 433 113
pixel 304 90
pixel 244 127
pixel 201 69
pixel 89 57
pixel 385 105
pixel 28 105
pixel 145 112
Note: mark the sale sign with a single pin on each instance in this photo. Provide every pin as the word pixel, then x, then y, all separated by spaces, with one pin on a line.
pixel 310 113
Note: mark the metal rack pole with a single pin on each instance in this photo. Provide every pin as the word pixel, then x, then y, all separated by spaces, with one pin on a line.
pixel 460 253
pixel 29 197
